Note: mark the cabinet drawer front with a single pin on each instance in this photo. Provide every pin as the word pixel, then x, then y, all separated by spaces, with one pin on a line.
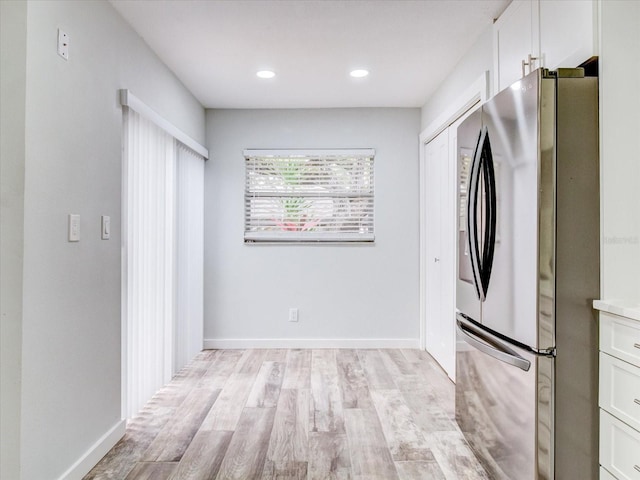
pixel 620 389
pixel 619 448
pixel 620 337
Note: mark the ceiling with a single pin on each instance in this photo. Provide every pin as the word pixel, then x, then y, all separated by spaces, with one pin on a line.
pixel 215 47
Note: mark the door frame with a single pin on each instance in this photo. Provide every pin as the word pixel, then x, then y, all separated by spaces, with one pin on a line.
pixel 473 97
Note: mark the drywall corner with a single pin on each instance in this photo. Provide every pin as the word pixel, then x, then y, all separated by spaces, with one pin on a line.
pixel 13 53
pixel 475 62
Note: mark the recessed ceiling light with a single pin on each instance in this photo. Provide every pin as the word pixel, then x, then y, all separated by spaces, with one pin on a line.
pixel 359 73
pixel 266 74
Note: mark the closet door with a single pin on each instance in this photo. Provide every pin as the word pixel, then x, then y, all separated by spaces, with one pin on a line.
pixel 438 314
pixel 439 230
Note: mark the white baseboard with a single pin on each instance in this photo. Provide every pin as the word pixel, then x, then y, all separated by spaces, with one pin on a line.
pixel 95 453
pixel 234 343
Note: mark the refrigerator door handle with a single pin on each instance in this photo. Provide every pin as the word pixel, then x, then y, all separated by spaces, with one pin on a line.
pixel 490 199
pixel 492 348
pixel 472 216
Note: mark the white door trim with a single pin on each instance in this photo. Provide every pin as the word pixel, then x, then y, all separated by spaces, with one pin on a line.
pixel 477 93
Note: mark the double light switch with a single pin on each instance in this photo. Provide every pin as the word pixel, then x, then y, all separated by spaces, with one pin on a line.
pixel 74 227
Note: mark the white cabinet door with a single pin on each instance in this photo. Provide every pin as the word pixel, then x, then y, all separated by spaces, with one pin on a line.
pixel 515 37
pixel 619 447
pixel 620 389
pixel 567 32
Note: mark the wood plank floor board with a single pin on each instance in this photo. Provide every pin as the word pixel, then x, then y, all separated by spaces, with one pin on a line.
pixel 251 361
pixel 412 356
pixel 404 438
pixel 419 471
pixel 297 373
pixel 276 355
pixel 370 455
pixel 247 451
pixel 189 376
pixel 325 411
pixel 375 370
pixel 289 471
pixel 171 443
pixel 152 471
pixel 226 411
pixel 298 414
pixel 352 380
pixel 221 368
pixel 329 457
pixel 266 387
pixel 429 410
pixel 203 458
pixel 140 433
pixel 396 362
pixel 289 442
pixel 454 456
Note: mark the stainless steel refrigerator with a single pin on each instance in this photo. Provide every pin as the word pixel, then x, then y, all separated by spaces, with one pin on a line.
pixel 528 270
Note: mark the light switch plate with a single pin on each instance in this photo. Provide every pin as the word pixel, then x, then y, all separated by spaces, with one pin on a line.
pixel 106 227
pixel 74 228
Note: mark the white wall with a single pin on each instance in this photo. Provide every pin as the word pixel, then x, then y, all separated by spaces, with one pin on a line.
pixel 13 43
pixel 343 292
pixel 620 147
pixel 473 64
pixel 71 350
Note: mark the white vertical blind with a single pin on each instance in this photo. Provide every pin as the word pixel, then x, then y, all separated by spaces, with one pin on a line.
pixel 189 255
pixel 149 257
pixel 163 236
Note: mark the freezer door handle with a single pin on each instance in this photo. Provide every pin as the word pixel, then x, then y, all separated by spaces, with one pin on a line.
pixel 473 198
pixel 482 195
pixel 485 344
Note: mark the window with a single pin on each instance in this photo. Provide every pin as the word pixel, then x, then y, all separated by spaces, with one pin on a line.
pixel 309 196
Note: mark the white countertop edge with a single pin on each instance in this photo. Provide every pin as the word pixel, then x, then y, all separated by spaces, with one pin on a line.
pixel 619 307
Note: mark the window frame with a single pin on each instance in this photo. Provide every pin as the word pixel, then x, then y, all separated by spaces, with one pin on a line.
pixel 363 164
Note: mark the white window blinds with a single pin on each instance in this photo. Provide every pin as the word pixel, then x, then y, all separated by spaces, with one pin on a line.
pixel 309 196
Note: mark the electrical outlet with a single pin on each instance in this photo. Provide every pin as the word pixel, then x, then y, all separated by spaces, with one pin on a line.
pixel 293 314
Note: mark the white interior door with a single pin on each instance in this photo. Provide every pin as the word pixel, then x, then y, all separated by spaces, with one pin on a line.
pixel 439 245
pixel 436 259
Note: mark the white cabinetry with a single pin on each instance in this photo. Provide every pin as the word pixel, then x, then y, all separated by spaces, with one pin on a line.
pixel 619 397
pixel 567 32
pixel 542 33
pixel 516 43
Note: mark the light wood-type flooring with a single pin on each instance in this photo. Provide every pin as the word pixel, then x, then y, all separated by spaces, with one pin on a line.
pixel 293 414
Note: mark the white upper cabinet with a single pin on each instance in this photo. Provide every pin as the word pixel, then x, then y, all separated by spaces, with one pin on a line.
pixel 542 33
pixel 515 41
pixel 567 32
